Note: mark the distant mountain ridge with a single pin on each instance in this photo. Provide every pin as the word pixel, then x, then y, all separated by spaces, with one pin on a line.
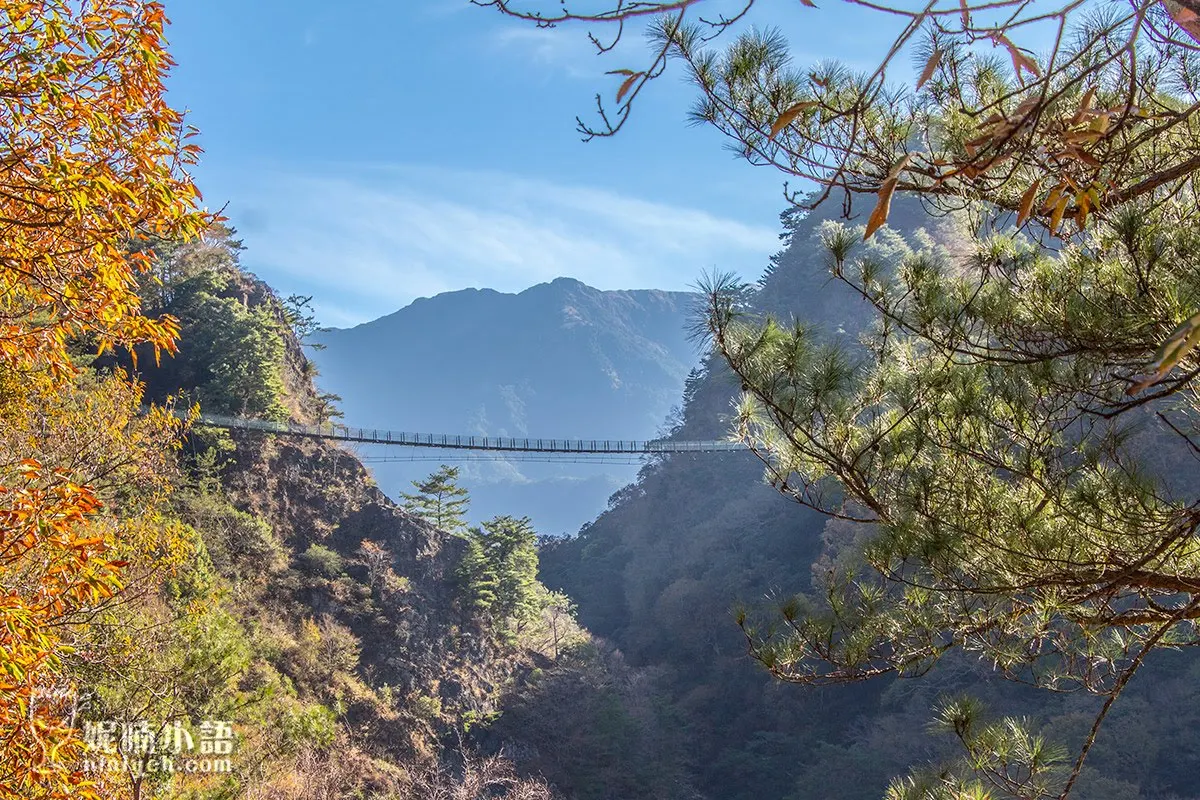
pixel 560 359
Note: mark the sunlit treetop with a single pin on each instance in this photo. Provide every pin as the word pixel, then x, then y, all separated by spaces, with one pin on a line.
pixel 959 108
pixel 91 159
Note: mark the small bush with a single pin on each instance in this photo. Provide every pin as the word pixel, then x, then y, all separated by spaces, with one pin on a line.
pixel 320 560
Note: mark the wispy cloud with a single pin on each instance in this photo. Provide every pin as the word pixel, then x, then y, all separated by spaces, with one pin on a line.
pixel 367 242
pixel 567 51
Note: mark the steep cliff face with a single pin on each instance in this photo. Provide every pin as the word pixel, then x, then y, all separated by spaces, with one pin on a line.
pixel 401 602
pixel 354 653
pixel 318 495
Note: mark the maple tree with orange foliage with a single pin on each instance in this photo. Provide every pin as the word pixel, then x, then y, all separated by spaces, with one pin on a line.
pixel 93 159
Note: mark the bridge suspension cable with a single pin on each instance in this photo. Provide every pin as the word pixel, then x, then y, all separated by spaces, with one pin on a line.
pixel 450 441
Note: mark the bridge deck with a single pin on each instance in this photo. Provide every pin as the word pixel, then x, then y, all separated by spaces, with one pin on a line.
pixel 450 441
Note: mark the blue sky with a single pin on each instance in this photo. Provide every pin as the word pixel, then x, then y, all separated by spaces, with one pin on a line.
pixel 375 152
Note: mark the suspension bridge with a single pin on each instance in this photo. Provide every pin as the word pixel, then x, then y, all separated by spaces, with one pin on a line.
pixel 495 446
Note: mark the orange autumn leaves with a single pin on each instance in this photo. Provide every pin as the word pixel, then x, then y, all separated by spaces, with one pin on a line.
pixel 57 571
pixel 83 472
pixel 92 160
pixel 92 157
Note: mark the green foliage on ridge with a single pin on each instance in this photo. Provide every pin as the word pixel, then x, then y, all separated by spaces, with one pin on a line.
pixel 232 350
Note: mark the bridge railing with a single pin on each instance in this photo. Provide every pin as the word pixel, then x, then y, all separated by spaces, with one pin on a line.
pixel 448 441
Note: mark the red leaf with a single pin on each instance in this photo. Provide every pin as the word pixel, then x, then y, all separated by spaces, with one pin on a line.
pixel 788 116
pixel 627 84
pixel 930 67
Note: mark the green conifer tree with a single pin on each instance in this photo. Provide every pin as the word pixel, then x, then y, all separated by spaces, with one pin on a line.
pixel 499 570
pixel 511 547
pixel 439 500
pixel 1013 431
pixel 478 577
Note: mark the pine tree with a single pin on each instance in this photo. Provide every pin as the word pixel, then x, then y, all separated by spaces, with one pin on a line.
pixel 1022 489
pixel 511 546
pixel 439 500
pixel 499 570
pixel 1014 432
pixel 478 576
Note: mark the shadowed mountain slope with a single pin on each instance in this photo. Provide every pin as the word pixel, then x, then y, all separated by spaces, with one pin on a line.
pixel 660 572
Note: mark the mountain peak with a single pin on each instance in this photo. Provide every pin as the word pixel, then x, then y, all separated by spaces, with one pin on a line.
pixel 559 285
pixel 560 359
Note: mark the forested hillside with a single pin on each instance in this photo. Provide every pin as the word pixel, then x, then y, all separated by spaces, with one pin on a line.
pixel 959 559
pixel 661 573
pixel 349 645
pixel 358 650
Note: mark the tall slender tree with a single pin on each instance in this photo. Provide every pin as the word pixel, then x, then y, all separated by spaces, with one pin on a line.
pixel 439 500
